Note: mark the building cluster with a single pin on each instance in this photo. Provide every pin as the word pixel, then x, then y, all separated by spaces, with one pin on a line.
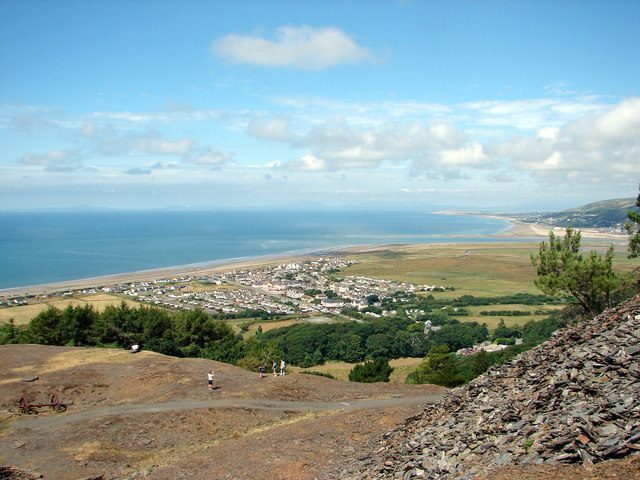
pixel 487 346
pixel 309 286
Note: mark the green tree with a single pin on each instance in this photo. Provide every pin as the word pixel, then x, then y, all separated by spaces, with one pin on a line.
pixel 257 353
pixel 379 345
pixel 9 333
pixel 439 367
pixel 633 229
pixel 502 331
pixel 590 280
pixel 199 335
pixel 117 325
pixel 47 328
pixel 481 363
pixel 458 335
pixel 371 371
pixel 78 323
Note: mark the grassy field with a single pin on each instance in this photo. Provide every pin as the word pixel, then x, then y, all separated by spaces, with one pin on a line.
pixel 486 269
pixel 510 321
pixel 24 313
pixel 340 370
pixel 267 325
pixel 481 270
pixel 472 269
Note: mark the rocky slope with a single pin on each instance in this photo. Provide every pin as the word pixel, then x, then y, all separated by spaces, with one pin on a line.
pixel 573 400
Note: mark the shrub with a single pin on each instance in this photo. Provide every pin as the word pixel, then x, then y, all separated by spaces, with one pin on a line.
pixel 371 371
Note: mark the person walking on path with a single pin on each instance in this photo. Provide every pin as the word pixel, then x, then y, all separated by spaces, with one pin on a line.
pixel 274 367
pixel 283 367
pixel 210 376
pixel 261 370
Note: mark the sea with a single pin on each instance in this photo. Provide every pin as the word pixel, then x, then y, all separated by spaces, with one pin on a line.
pixel 46 247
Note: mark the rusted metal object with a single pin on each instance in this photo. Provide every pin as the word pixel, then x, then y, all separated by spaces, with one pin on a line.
pixel 26 407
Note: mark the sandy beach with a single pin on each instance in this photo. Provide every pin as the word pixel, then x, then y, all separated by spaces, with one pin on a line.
pixel 518 229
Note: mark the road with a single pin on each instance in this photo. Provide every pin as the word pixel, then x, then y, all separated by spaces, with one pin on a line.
pixel 230 402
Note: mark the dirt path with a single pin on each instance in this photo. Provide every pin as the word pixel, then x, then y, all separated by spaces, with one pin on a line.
pixel 244 403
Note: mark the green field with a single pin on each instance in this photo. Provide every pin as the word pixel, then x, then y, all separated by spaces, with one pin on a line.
pixel 481 270
pixel 485 269
pixel 472 269
pixel 510 321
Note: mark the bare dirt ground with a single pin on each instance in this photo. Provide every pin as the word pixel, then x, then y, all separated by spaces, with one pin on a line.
pixel 151 416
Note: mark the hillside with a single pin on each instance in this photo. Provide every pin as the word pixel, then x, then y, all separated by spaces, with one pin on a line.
pixel 151 416
pixel 610 214
pixel 574 400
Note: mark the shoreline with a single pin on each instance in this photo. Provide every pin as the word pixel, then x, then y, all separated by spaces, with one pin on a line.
pixel 519 229
pixel 515 230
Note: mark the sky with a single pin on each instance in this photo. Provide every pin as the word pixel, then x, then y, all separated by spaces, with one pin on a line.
pixel 484 105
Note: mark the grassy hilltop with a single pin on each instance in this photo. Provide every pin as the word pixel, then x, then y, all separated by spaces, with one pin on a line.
pixel 603 214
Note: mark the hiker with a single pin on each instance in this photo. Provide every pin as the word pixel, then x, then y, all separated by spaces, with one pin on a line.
pixel 282 367
pixel 261 370
pixel 274 367
pixel 210 376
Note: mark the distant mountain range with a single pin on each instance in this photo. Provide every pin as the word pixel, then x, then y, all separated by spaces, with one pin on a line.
pixel 609 214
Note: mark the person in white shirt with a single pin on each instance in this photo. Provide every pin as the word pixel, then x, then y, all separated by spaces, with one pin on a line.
pixel 210 376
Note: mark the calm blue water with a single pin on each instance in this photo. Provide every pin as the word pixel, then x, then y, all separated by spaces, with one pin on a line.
pixel 53 246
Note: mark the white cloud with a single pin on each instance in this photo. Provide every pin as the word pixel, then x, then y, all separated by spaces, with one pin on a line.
pixel 208 157
pixel 277 129
pixel 550 133
pixel 599 147
pixel 153 144
pixel 471 156
pixel 302 47
pixel 54 157
pixel 108 143
pixel 56 161
pixel 308 163
pixel 341 146
pixel 162 116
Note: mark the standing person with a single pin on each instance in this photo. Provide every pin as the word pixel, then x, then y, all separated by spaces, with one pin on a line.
pixel 210 376
pixel 261 370
pixel 283 366
pixel 274 367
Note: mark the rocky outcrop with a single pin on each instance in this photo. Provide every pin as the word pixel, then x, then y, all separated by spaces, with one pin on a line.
pixel 572 400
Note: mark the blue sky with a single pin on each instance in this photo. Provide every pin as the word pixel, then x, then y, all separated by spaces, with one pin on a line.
pixel 407 104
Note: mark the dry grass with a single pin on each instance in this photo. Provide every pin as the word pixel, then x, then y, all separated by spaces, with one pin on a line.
pixel 340 370
pixel 77 357
pixel 266 326
pixel 24 313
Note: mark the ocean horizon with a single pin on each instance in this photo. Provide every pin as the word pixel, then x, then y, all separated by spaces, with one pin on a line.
pixel 46 247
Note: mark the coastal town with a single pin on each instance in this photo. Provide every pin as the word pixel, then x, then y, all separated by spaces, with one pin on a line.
pixel 309 286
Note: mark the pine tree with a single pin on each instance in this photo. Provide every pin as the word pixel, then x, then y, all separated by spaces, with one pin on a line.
pixel 633 229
